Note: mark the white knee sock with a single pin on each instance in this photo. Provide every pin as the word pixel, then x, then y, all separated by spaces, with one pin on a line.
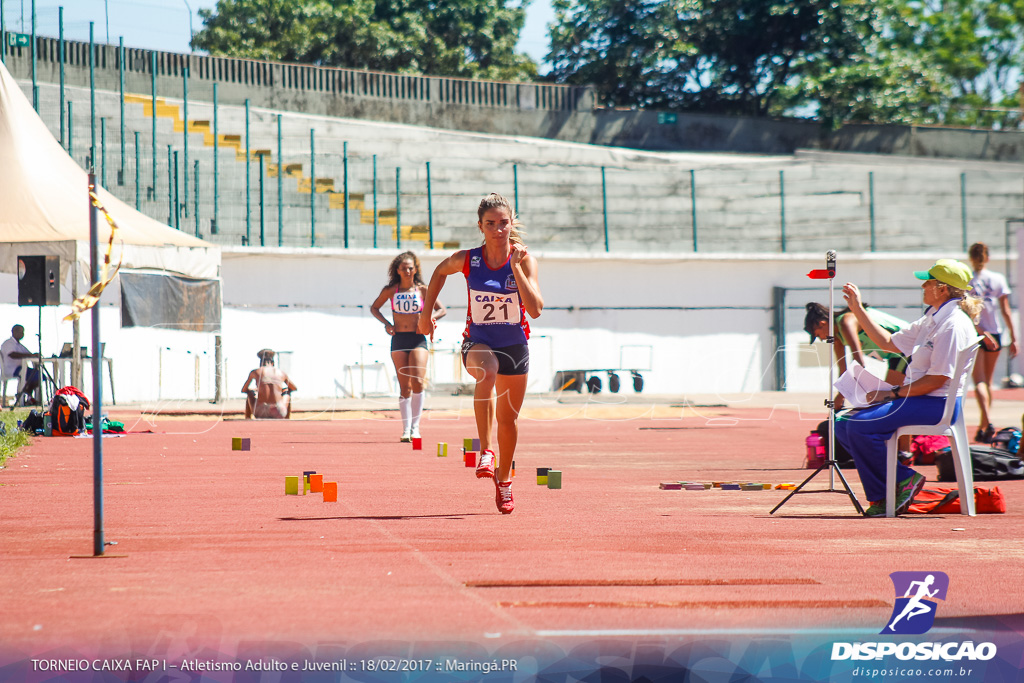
pixel 405 410
pixel 417 409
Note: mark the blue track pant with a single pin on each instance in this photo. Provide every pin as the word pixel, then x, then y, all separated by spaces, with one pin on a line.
pixel 865 432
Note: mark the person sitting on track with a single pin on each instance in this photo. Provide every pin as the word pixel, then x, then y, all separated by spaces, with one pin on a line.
pixel 271 399
pixel 502 281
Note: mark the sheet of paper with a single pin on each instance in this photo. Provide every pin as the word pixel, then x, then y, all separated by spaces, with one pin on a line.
pixel 856 383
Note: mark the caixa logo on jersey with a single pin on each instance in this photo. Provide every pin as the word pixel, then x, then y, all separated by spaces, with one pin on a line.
pixel 916 595
pixel 914 614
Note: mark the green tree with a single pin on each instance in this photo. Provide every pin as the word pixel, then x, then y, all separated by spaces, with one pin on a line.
pixel 461 38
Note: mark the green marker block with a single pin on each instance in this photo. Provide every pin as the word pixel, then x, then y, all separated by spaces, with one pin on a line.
pixel 291 486
pixel 554 479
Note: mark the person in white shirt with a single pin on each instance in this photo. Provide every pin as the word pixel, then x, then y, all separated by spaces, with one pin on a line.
pixel 932 343
pixel 13 351
pixel 994 292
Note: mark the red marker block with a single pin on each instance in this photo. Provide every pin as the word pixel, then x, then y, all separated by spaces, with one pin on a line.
pixel 417 444
pixel 470 459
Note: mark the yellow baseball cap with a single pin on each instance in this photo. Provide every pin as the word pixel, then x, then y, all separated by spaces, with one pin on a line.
pixel 949 272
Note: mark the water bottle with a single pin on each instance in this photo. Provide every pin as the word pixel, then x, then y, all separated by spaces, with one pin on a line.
pixel 47 425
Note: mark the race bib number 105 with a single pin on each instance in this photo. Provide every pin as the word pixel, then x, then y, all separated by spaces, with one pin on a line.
pixel 488 308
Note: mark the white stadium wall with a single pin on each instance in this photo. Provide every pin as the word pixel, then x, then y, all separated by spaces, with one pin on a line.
pixel 693 324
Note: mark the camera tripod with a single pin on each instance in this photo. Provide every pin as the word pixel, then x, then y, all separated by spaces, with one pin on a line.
pixel 830 464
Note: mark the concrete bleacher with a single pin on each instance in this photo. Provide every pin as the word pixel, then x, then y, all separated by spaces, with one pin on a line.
pixel 649 201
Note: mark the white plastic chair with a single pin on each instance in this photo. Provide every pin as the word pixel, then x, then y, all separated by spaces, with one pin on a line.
pixel 4 379
pixel 956 431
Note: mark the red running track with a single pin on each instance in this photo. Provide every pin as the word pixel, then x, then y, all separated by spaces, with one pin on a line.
pixel 214 553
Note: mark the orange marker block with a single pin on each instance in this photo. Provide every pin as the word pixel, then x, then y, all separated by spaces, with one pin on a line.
pixel 330 491
pixel 316 483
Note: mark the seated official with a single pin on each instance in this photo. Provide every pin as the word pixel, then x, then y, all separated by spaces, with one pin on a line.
pixel 932 343
pixel 268 390
pixel 13 351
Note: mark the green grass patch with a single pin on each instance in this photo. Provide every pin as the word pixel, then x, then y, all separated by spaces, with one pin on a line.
pixel 14 439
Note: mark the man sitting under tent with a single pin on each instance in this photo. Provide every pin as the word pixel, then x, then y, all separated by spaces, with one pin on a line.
pixel 13 351
pixel 271 399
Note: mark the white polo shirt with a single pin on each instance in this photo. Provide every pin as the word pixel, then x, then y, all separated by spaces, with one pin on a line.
pixel 11 365
pixel 933 341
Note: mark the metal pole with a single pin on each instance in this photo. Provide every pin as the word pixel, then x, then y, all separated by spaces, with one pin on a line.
pixel 871 205
pixel 782 209
pixel 374 201
pixel 398 207
pixel 170 187
pixel 604 206
pixel 195 212
pixel 103 151
pixel 263 223
pixel 71 128
pixel 344 181
pixel 515 187
pixel 693 207
pixel 963 210
pixel 98 544
pixel 177 205
pixel 312 187
pixel 120 68
pixel 35 83
pixel 248 180
pixel 280 187
pixel 138 196
pixel 152 70
pixel 92 97
pixel 60 59
pixel 216 169
pixel 430 212
pixel 184 135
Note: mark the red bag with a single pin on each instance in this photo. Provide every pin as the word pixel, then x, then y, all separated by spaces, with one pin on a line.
pixel 945 500
pixel 925 446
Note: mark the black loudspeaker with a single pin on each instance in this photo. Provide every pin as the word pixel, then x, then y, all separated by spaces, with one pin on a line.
pixel 38 281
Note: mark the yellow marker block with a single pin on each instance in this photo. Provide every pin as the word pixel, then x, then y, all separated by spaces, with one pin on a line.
pixel 330 492
pixel 442 450
pixel 467 444
pixel 236 443
pixel 291 486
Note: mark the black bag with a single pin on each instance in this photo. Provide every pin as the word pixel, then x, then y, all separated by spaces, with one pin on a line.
pixel 988 464
pixel 32 422
pixel 842 457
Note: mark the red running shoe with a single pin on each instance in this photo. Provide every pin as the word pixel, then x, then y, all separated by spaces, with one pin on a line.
pixel 485 468
pixel 503 497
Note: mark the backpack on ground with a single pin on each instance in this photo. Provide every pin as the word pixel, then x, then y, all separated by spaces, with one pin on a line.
pixel 67 412
pixel 940 500
pixel 924 447
pixel 1007 438
pixel 988 464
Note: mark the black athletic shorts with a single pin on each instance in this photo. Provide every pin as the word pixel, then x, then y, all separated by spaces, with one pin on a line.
pixel 407 341
pixel 512 360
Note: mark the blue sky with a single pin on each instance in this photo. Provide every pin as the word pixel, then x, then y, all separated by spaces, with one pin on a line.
pixel 164 24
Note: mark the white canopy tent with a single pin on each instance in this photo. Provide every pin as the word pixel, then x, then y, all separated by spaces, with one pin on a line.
pixel 45 210
pixel 44 206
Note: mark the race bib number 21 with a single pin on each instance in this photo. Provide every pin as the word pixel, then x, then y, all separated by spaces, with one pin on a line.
pixel 488 308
